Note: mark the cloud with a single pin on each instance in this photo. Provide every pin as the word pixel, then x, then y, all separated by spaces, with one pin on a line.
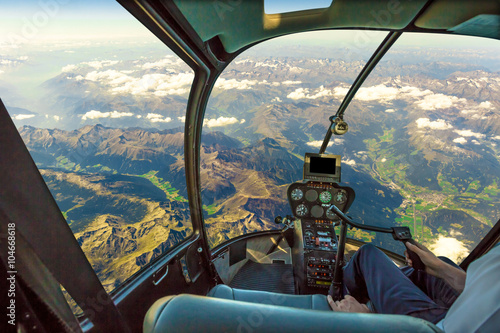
pixel 439 124
pixel 157 84
pixel 221 121
pixel 469 133
pixel 303 93
pixel 69 68
pixel 182 119
pixel 235 84
pixel 289 82
pixel 460 140
pixel 242 121
pixel 94 114
pixel 439 101
pixel 390 110
pixel 449 247
pixel 100 64
pixel 318 143
pixel 158 118
pixel 23 116
pixel 349 162
pixel 486 105
pixel 376 93
pixel 276 99
pixel 160 63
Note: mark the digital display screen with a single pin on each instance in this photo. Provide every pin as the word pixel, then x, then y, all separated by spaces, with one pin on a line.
pixel 325 283
pixel 324 165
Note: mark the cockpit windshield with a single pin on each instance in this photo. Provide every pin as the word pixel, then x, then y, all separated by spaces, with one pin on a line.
pixel 421 150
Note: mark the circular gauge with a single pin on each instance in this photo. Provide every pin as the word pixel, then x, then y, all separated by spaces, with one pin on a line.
pixel 330 214
pixel 311 195
pixel 301 210
pixel 308 233
pixel 340 197
pixel 317 211
pixel 325 197
pixel 296 194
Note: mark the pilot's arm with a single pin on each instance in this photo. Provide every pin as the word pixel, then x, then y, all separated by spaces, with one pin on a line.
pixel 438 268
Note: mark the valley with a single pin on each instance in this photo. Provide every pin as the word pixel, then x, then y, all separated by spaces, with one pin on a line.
pixel 422 151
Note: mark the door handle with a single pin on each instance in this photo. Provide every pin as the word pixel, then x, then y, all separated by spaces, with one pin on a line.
pixel 159 275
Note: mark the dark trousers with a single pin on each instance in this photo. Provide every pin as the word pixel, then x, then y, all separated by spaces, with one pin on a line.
pixel 371 275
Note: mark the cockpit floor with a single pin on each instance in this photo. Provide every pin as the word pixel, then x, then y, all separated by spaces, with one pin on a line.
pixel 276 277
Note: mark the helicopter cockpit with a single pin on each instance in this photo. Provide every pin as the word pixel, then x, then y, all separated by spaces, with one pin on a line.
pixel 165 165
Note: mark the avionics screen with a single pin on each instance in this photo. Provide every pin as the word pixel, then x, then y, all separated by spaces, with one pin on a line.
pixel 323 165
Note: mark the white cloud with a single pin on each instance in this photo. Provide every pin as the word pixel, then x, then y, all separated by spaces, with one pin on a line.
pixel 221 121
pixel 439 124
pixel 475 142
pixel 390 110
pixel 449 247
pixel 439 101
pixel 375 93
pixel 22 116
pixel 497 137
pixel 160 63
pixel 460 140
pixel 303 93
pixel 276 99
pixel 349 162
pixel 138 116
pixel 318 143
pixel 100 64
pixel 69 68
pixel 242 121
pixel 56 118
pixel 486 105
pixel 158 118
pixel 157 84
pixel 94 114
pixel 235 84
pixel 469 133
pixel 182 119
pixel 289 82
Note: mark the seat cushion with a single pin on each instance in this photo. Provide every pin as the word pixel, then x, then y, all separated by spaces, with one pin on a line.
pixel 189 313
pixel 312 302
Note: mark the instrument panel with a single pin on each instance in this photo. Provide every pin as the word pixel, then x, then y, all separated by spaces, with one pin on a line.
pixel 309 201
pixel 312 199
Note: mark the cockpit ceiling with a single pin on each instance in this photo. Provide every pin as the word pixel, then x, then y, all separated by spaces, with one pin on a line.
pixel 239 23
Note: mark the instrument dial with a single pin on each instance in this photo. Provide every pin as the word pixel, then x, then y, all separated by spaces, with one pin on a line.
pixel 340 197
pixel 325 197
pixel 330 214
pixel 311 195
pixel 297 194
pixel 301 210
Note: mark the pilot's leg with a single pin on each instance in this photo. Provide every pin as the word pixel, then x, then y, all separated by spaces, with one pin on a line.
pixel 437 289
pixel 370 274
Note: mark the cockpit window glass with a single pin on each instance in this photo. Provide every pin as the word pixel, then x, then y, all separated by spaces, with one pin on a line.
pixel 267 109
pixel 423 142
pixel 100 103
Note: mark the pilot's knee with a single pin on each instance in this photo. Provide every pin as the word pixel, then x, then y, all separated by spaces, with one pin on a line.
pixel 367 249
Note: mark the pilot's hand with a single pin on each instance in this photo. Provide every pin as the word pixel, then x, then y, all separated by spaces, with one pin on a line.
pixel 433 265
pixel 348 304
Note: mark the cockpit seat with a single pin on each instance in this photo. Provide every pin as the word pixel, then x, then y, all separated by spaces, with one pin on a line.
pixel 190 313
pixel 312 302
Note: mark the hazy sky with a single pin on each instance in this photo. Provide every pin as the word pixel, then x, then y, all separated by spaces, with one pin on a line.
pixel 32 21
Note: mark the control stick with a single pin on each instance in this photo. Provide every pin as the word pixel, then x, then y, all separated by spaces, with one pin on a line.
pixel 403 234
